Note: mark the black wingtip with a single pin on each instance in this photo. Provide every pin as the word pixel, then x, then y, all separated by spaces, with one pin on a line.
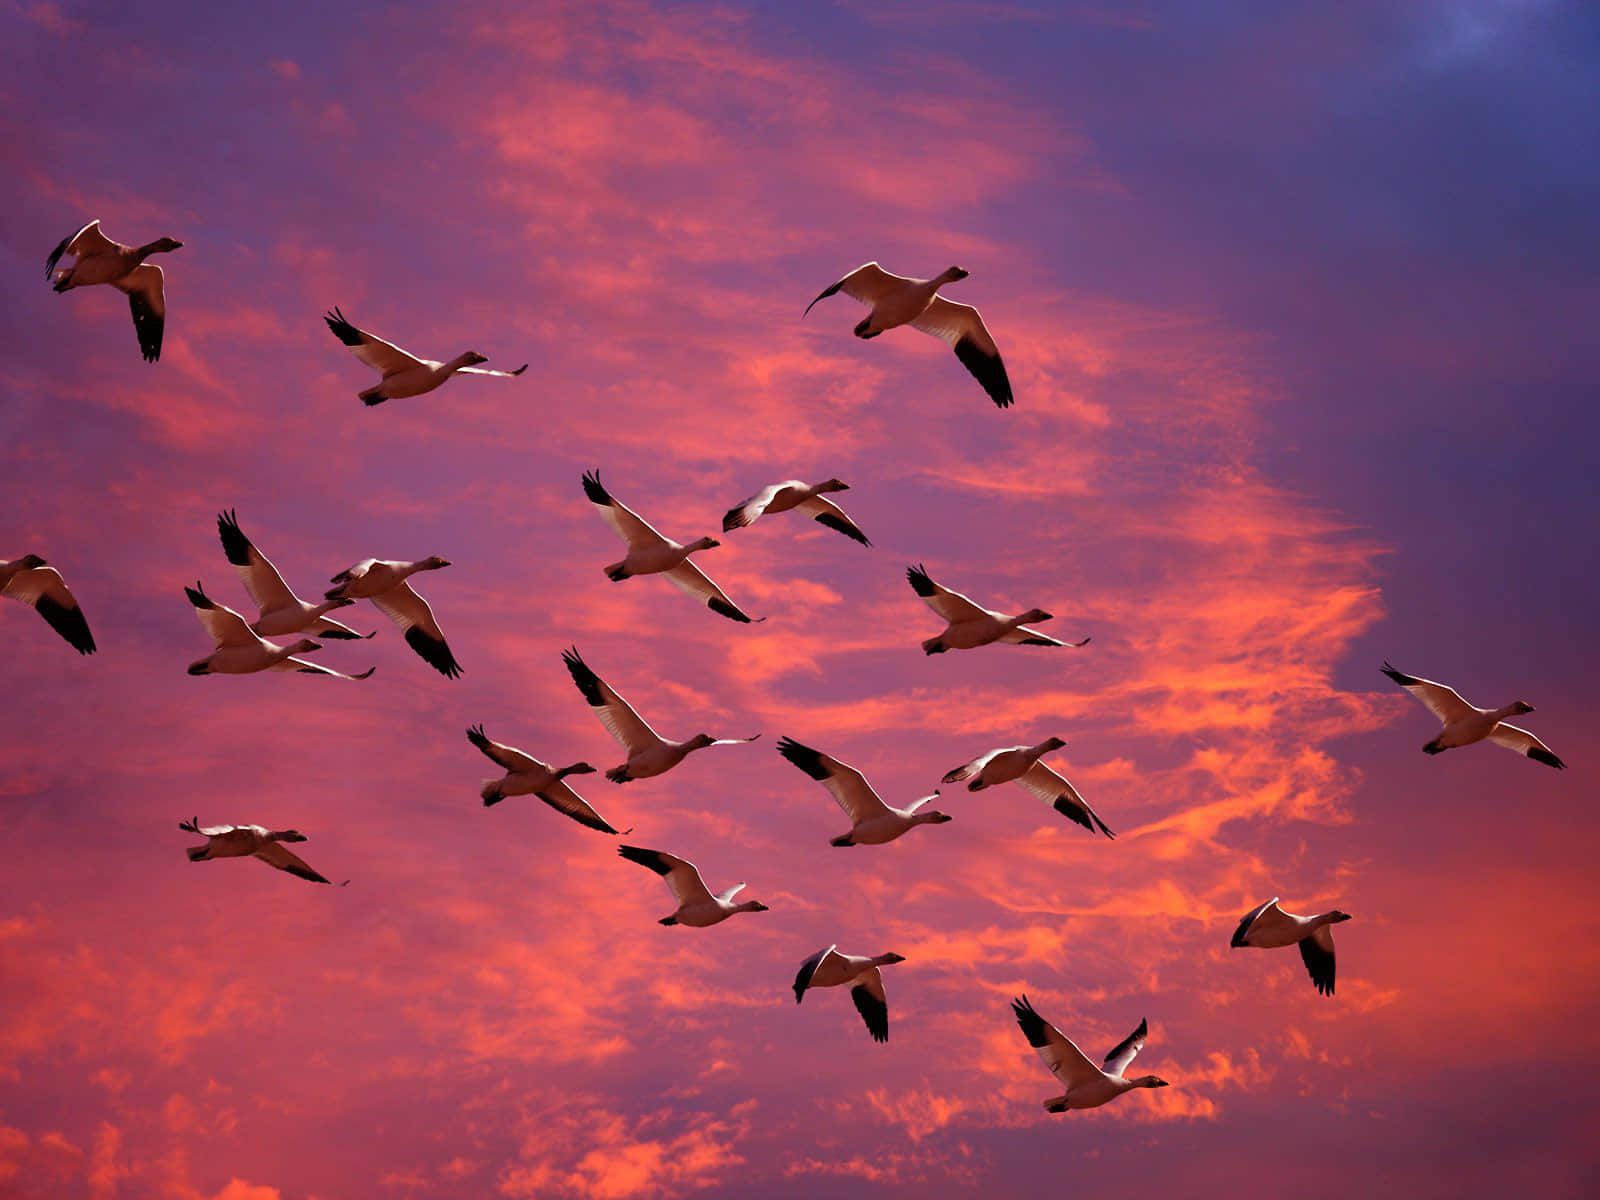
pixel 920 581
pixel 823 295
pixel 434 652
pixel 1540 755
pixel 731 611
pixel 197 595
pixel 803 756
pixel 342 329
pixel 582 675
pixel 1398 676
pixel 594 489
pixel 520 369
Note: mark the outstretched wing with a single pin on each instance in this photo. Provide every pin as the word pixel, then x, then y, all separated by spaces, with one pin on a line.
pixel 488 371
pixel 226 627
pixel 1523 742
pixel 1123 1053
pixel 147 300
pixel 278 855
pixel 952 606
pixel 383 357
pixel 307 667
pixel 826 512
pixel 1024 635
pixel 615 713
pixel 88 240
pixel 970 770
pixel 872 1004
pixel 746 511
pixel 1316 952
pixel 1066 1062
pixel 505 756
pixel 680 874
pixel 848 786
pixel 633 529
pixel 1245 922
pixel 961 328
pixel 411 613
pixel 692 581
pixel 43 589
pixel 260 578
pixel 1441 701
pixel 868 283
pixel 808 970
pixel 1057 791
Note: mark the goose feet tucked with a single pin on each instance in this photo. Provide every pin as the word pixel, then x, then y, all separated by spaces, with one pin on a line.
pixel 619 775
pixel 1433 747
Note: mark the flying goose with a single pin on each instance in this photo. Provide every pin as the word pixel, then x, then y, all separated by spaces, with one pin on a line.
pixel 386 585
pixel 796 494
pixel 1267 927
pixel 873 821
pixel 30 581
pixel 651 554
pixel 239 841
pixel 648 752
pixel 100 260
pixel 971 626
pixel 404 374
pixel 281 611
pixel 896 300
pixel 527 776
pixel 696 905
pixel 240 652
pixel 1088 1086
pixel 829 968
pixel 1465 723
pixel 1021 763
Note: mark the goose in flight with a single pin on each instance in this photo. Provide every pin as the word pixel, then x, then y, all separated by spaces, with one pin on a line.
pixel 970 626
pixel 404 374
pixel 240 841
pixel 527 776
pixel 240 652
pixel 1088 1086
pixel 29 580
pixel 896 300
pixel 872 821
pixel 696 905
pixel 829 968
pixel 1021 763
pixel 386 584
pixel 651 554
pixel 1465 723
pixel 648 752
pixel 1267 927
pixel 796 494
pixel 100 260
pixel 281 611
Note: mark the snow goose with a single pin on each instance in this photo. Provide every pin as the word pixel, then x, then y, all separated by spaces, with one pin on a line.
pixel 404 374
pixel 696 905
pixel 386 584
pixel 1088 1086
pixel 1021 763
pixel 971 626
pixel 527 776
pixel 872 821
pixel 1267 927
pixel 240 841
pixel 100 260
pixel 648 752
pixel 240 652
pixel 1465 723
pixel 281 612
pixel 796 494
pixel 896 300
pixel 829 968
pixel 29 580
pixel 651 554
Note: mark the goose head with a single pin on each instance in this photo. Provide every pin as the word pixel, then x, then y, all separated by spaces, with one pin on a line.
pixel 931 816
pixel 1335 917
pixel 1519 707
pixel 472 358
pixel 579 768
pixel 1150 1081
pixel 891 957
pixel 163 245
pixel 433 563
pixel 833 485
pixel 305 646
pixel 1053 743
pixel 1037 614
pixel 751 906
pixel 954 273
pixel 705 543
pixel 701 740
pixel 290 835
pixel 30 562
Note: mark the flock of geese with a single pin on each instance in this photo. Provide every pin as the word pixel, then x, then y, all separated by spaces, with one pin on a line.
pixel 245 647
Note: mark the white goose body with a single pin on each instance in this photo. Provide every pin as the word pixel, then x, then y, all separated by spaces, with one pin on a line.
pixel 895 300
pixel 1087 1086
pixel 404 374
pixel 796 494
pixel 829 968
pixel 649 754
pixel 386 584
pixel 1268 927
pixel 1021 764
pixel 970 625
pixel 872 821
pixel 257 841
pixel 697 907
pixel 1466 723
pixel 239 651
pixel 101 260
pixel 527 776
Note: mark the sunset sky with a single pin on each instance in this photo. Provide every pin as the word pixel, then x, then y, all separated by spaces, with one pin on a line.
pixel 1299 306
